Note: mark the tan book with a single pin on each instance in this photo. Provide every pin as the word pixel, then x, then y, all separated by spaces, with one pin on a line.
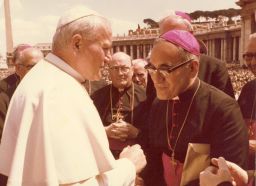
pixel 197 159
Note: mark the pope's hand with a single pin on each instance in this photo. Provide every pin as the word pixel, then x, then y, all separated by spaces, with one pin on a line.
pixel 136 155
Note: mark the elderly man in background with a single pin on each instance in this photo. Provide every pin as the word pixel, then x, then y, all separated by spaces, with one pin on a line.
pixel 24 58
pixel 247 98
pixel 188 111
pixel 53 133
pixel 140 74
pixel 119 105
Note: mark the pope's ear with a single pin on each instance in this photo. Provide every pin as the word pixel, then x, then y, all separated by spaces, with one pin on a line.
pixel 76 41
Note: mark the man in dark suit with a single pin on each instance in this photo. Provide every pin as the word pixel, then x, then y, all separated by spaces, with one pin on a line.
pixel 24 58
pixel 119 105
pixel 247 98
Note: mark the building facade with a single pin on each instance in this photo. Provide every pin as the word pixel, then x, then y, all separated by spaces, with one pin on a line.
pixel 248 25
pixel 225 40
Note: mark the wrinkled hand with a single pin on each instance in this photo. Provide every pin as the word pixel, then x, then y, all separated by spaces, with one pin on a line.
pixel 121 130
pixel 252 145
pixel 132 131
pixel 139 181
pixel 136 155
pixel 239 175
pixel 117 130
pixel 212 176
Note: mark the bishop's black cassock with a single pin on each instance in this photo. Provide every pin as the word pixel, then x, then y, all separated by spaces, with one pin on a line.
pixel 122 100
pixel 214 118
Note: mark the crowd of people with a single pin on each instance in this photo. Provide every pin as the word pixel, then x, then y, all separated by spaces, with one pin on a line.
pixel 179 117
pixel 239 75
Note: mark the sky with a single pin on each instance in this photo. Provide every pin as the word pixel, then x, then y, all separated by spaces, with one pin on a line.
pixel 34 21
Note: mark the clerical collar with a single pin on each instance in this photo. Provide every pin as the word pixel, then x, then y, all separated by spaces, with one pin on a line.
pixel 58 62
pixel 189 93
pixel 120 90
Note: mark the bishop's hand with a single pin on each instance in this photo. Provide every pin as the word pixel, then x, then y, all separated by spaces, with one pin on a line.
pixel 117 130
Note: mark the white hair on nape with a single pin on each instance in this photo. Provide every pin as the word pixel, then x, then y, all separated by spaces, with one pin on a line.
pixel 164 15
pixel 78 20
pixel 252 36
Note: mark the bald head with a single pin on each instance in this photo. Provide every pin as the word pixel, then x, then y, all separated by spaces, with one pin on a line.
pixel 18 49
pixel 121 58
pixel 120 70
pixel 252 43
pixel 172 22
pixel 26 59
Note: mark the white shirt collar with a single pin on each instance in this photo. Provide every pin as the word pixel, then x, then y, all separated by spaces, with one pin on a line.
pixel 58 62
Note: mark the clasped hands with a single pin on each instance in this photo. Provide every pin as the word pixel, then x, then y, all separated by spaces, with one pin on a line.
pixel 121 130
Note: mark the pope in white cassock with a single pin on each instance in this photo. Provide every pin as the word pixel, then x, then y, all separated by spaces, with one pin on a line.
pixel 53 134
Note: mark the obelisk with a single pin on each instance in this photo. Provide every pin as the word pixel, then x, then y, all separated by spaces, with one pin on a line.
pixel 8 31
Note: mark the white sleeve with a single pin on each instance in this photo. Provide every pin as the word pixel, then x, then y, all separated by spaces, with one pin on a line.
pixel 122 175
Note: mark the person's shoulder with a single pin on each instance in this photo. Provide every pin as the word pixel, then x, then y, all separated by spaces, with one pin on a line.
pixel 96 85
pixel 251 84
pixel 8 82
pixel 205 57
pixel 101 91
pixel 138 89
pixel 214 93
pixel 213 61
pixel 140 92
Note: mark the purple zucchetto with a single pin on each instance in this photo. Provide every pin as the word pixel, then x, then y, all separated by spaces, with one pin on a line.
pixel 183 39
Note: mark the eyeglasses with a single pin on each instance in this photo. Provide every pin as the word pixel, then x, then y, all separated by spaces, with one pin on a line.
pixel 28 67
pixel 123 69
pixel 165 70
pixel 249 56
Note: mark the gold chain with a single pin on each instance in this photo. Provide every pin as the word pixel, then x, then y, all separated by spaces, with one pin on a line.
pixel 183 124
pixel 118 109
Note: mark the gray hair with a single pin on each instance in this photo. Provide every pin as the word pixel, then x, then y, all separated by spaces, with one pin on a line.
pixel 252 36
pixel 175 22
pixel 86 26
pixel 31 51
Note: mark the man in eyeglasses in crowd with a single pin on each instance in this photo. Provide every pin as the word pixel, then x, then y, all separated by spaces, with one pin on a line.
pixel 119 104
pixel 188 111
pixel 24 58
pixel 247 98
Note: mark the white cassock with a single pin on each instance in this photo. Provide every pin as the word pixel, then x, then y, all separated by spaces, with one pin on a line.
pixel 53 134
